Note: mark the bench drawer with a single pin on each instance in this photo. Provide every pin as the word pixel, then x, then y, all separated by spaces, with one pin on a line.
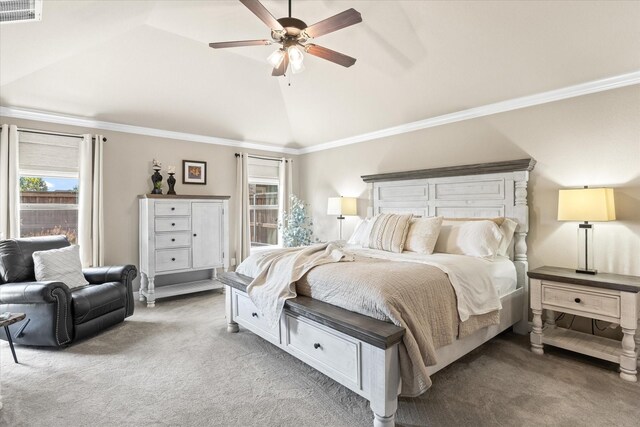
pixel 588 302
pixel 248 315
pixel 323 349
pixel 173 208
pixel 173 224
pixel 172 259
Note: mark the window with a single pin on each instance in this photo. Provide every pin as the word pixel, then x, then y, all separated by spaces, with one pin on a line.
pixel 263 213
pixel 48 168
pixel 263 201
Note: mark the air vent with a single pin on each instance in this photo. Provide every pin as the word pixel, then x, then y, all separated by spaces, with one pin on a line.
pixel 20 11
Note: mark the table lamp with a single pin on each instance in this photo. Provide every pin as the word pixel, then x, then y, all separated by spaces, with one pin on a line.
pixel 586 204
pixel 342 206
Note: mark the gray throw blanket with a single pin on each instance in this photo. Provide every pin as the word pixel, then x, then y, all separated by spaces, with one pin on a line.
pixel 280 269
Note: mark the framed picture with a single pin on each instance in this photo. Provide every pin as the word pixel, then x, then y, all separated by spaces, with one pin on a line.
pixel 194 172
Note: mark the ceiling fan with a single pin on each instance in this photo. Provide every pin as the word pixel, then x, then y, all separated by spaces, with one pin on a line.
pixel 294 36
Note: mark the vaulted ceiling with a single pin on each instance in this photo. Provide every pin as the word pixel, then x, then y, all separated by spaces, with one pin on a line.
pixel 147 63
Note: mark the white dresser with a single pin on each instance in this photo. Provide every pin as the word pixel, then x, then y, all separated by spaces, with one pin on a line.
pixel 182 234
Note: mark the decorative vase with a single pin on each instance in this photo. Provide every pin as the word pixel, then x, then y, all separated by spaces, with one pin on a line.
pixel 172 182
pixel 156 178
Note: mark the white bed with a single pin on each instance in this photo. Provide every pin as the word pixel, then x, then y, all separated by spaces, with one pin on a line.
pixel 463 192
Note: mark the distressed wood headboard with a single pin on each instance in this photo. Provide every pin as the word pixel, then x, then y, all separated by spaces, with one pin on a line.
pixel 484 190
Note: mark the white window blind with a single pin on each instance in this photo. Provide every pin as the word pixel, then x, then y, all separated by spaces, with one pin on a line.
pixel 48 155
pixel 262 170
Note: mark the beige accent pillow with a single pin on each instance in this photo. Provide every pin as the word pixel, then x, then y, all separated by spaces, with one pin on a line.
pixel 423 235
pixel 474 238
pixel 60 265
pixel 389 232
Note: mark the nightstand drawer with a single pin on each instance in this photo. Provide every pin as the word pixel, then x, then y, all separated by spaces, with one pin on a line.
pixel 589 302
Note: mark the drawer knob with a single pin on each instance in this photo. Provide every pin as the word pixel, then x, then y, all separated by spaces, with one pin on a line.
pixel 317 345
pixel 577 300
pixel 173 259
pixel 173 209
pixel 254 314
pixel 173 240
pixel 173 224
pixel 195 235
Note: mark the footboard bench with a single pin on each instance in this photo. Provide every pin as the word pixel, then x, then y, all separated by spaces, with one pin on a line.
pixel 357 351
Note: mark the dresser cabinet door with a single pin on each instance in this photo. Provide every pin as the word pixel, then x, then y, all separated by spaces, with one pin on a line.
pixel 206 228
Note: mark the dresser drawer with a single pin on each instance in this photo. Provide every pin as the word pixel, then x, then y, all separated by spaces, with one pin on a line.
pixel 172 259
pixel 324 349
pixel 173 208
pixel 173 224
pixel 172 240
pixel 588 302
pixel 247 313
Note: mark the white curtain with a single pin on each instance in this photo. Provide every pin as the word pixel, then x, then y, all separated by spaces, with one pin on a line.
pixel 90 203
pixel 286 190
pixel 243 236
pixel 9 183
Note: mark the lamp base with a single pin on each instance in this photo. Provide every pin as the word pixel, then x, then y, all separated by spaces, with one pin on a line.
pixel 592 272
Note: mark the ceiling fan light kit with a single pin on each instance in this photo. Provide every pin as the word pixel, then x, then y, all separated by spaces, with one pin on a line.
pixel 294 35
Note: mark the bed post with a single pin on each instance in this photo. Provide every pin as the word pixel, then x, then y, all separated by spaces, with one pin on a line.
pixel 520 247
pixel 228 305
pixel 385 385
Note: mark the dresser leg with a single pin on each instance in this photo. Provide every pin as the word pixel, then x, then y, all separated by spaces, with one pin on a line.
pixel 536 332
pixel 629 356
pixel 151 297
pixel 143 286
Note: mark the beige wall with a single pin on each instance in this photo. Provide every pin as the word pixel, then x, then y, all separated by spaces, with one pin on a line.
pixel 127 172
pixel 590 140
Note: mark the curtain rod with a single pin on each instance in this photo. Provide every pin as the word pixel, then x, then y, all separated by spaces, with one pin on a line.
pixel 275 159
pixel 44 132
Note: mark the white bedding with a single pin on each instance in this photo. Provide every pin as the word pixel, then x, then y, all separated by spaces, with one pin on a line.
pixel 478 283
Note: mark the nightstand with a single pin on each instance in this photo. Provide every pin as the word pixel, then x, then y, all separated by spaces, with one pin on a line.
pixel 609 297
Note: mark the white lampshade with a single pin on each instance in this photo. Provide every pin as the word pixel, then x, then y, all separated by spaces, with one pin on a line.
pixel 586 204
pixel 342 206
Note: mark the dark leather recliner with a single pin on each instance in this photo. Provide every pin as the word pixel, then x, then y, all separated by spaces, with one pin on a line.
pixel 57 315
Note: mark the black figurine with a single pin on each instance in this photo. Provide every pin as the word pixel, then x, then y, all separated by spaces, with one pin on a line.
pixel 172 182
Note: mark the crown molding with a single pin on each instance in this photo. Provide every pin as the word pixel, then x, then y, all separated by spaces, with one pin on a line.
pixel 595 86
pixel 486 110
pixel 43 116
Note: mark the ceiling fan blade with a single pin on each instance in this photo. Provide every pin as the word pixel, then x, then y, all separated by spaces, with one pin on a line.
pixel 281 69
pixel 330 55
pixel 221 45
pixel 261 12
pixel 335 23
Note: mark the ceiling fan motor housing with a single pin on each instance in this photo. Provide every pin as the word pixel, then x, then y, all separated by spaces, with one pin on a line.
pixel 292 27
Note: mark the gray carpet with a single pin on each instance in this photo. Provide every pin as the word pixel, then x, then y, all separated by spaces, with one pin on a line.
pixel 176 365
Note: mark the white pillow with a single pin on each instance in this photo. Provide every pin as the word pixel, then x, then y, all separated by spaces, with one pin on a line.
pixel 507 229
pixel 358 235
pixel 60 265
pixel 474 238
pixel 423 235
